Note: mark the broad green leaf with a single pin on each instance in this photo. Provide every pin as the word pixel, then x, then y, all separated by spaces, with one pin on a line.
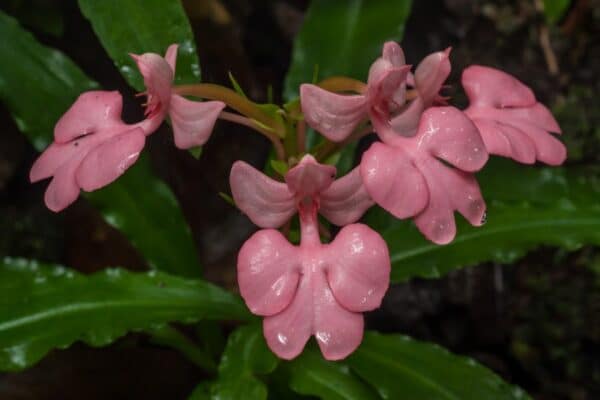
pixel 37 83
pixel 402 368
pixel 142 26
pixel 555 9
pixel 343 38
pixel 47 307
pixel 245 356
pixel 310 374
pixel 145 209
pixel 527 207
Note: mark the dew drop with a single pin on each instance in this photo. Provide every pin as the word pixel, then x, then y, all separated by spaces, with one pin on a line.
pixel 484 218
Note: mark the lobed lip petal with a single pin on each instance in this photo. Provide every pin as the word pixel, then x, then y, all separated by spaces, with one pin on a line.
pixel 309 178
pixel 268 272
pixel 193 121
pixel 358 268
pixel 334 115
pixel 510 120
pixel 346 200
pixel 110 159
pixel 268 203
pixel 92 111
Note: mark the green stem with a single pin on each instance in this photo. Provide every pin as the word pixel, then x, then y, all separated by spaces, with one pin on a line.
pixel 169 336
pixel 241 120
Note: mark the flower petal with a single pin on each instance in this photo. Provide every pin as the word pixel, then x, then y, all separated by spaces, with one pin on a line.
pixel 309 178
pixel 491 87
pixel 106 162
pixel 171 56
pixel 449 134
pixel 346 200
pixel 286 333
pixel 334 115
pixel 430 75
pixel 158 77
pixel 358 268
pixel 193 121
pixel 268 269
pixel 337 330
pixel 506 140
pixel 268 203
pixel 393 181
pixel 449 190
pixel 91 112
pixel 62 190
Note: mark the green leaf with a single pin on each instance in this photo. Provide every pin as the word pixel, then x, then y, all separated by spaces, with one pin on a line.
pixel 555 9
pixel 245 356
pixel 51 307
pixel 343 38
pixel 142 26
pixel 310 374
pixel 145 209
pixel 527 207
pixel 402 368
pixel 37 83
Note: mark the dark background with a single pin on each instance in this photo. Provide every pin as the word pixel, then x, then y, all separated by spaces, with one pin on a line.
pixel 536 323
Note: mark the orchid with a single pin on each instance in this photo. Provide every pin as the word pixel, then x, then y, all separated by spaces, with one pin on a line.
pixel 314 288
pixel 93 146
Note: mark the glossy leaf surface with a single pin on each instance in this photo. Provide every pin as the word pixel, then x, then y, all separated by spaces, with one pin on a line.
pixel 46 307
pixel 402 368
pixel 527 207
pixel 349 36
pixel 142 26
pixel 245 356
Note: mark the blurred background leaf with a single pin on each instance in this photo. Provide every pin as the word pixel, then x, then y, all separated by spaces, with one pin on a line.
pixel 555 9
pixel 45 307
pixel 142 26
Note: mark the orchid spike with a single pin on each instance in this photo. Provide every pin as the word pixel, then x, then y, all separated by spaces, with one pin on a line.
pixel 314 288
pixel 410 177
pixel 192 121
pixel 509 118
pixel 269 203
pixel 92 145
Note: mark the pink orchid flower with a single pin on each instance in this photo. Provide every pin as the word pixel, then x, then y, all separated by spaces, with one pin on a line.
pixel 269 203
pixel 511 121
pixel 92 146
pixel 337 115
pixel 410 176
pixel 314 288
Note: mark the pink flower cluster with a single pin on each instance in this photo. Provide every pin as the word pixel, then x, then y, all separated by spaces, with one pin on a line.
pixel 422 168
pixel 93 146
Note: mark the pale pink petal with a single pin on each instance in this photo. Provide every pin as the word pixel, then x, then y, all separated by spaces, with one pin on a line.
pixel 309 178
pixel 108 161
pixel 337 330
pixel 193 121
pixel 91 112
pixel 393 53
pixel 505 140
pixel 495 88
pixel 358 268
pixel 171 56
pixel 268 203
pixel 286 333
pixel 449 190
pixel 449 134
pixel 333 115
pixel 393 181
pixel 158 77
pixel 388 87
pixel 406 123
pixel 346 200
pixel 62 190
pixel 56 155
pixel 268 268
pixel 502 105
pixel 431 74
